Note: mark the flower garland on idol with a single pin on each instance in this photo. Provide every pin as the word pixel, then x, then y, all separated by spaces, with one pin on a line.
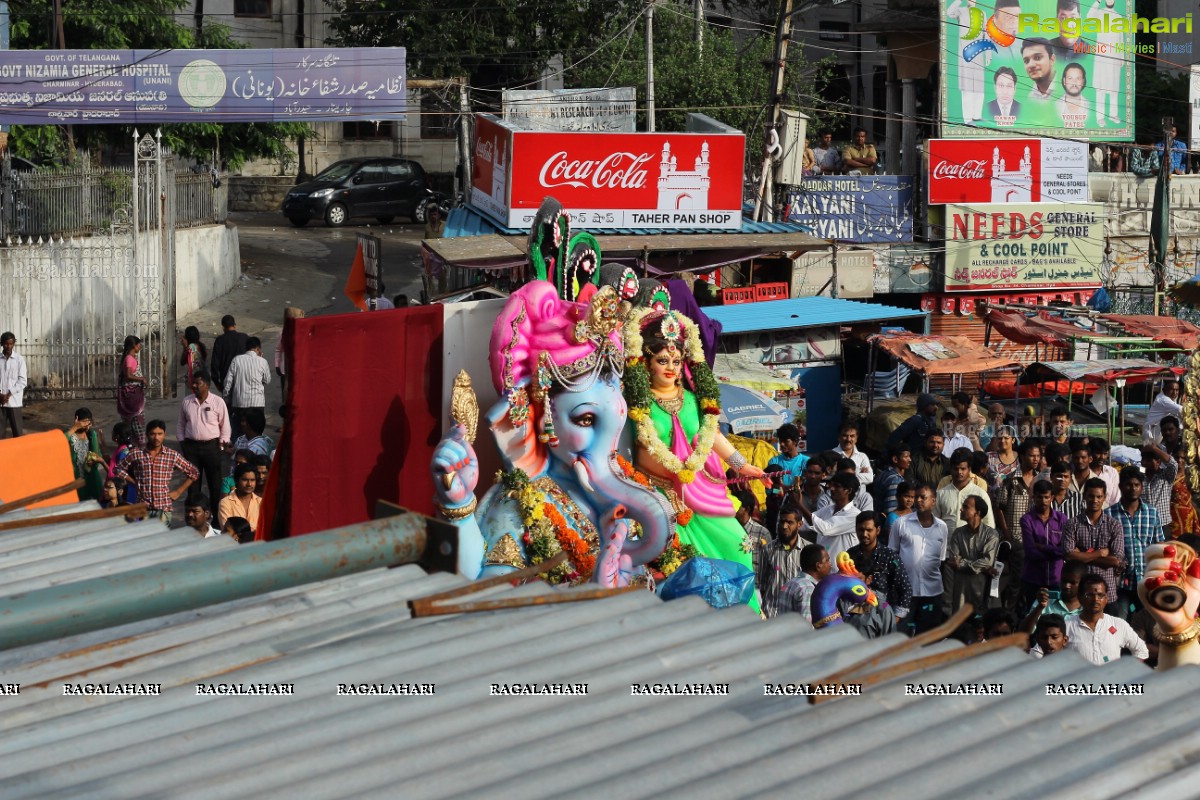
pixel 683 334
pixel 547 531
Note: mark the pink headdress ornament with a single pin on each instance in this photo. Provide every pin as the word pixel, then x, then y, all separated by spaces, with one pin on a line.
pixel 540 341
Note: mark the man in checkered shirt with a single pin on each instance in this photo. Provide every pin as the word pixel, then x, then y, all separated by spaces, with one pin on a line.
pixel 1161 472
pixel 1095 539
pixel 151 470
pixel 1142 527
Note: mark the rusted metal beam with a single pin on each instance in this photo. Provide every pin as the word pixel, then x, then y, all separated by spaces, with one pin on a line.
pixel 233 573
pixel 21 502
pixel 135 510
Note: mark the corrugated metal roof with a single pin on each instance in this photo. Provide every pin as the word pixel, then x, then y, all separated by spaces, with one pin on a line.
pixel 465 221
pixel 57 553
pixel 803 312
pixel 462 741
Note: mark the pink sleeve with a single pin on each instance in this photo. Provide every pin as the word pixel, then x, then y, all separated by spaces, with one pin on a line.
pixel 131 363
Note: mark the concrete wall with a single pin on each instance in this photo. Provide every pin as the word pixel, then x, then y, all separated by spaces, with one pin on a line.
pixel 207 265
pixel 258 193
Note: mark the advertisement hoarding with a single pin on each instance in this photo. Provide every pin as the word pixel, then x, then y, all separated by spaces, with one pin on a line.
pixel 863 209
pixel 572 109
pixel 129 87
pixel 1007 171
pixel 1023 246
pixel 1026 69
pixel 610 180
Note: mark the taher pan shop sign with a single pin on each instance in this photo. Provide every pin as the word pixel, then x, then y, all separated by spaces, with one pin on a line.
pixel 610 180
pixel 126 87
pixel 1007 171
pixel 1030 246
pixel 866 209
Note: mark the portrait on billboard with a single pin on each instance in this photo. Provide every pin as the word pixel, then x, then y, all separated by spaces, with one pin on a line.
pixel 1060 68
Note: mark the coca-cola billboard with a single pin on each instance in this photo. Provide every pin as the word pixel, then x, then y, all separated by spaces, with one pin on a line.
pixel 1007 171
pixel 610 180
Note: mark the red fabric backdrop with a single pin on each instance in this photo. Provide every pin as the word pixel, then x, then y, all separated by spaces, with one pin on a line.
pixel 365 397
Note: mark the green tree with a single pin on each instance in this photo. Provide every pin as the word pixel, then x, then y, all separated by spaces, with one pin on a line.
pixel 134 25
pixel 497 43
pixel 727 80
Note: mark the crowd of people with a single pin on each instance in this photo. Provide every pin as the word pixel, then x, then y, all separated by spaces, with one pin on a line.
pixel 224 454
pixel 1025 521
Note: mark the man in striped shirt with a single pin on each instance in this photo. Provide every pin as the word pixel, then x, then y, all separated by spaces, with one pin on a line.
pixel 246 382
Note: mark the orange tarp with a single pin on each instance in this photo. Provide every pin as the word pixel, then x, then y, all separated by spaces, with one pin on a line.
pixel 1170 331
pixel 962 356
pixel 34 463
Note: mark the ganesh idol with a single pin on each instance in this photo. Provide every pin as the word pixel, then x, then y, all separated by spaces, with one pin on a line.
pixel 674 403
pixel 557 361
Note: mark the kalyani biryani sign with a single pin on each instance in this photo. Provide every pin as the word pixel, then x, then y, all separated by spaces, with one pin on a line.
pixel 609 180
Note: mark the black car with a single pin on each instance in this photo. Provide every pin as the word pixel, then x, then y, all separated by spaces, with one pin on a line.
pixel 383 188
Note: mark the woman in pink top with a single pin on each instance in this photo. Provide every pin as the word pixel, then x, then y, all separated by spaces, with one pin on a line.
pixel 131 391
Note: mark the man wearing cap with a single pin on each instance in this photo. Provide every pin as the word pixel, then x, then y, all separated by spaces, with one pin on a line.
pixel 916 429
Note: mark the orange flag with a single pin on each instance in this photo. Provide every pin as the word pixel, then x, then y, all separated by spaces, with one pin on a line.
pixel 356 281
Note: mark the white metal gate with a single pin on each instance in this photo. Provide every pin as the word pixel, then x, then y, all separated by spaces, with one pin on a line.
pixel 72 301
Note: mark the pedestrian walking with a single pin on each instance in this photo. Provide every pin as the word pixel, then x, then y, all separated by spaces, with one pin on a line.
pixel 228 346
pixel 195 354
pixel 246 382
pixel 203 431
pixel 131 391
pixel 13 378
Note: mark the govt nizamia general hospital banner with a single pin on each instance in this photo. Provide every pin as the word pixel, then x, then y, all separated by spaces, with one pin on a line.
pixel 1032 68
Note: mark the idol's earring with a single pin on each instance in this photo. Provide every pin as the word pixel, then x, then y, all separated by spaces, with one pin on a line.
pixel 551 437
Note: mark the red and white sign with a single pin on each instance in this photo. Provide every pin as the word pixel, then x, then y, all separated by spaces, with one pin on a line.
pixel 610 180
pixel 1007 171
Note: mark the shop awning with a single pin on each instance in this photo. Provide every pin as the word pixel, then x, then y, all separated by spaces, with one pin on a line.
pixel 1171 331
pixel 942 355
pixel 741 370
pixel 1101 370
pixel 804 312
pixel 1024 329
pixel 472 240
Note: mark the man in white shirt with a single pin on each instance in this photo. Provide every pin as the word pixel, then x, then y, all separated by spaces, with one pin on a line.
pixel 1096 636
pixel 921 539
pixel 1166 404
pixel 953 436
pixel 199 519
pixel 13 379
pixel 961 486
pixel 246 382
pixel 828 159
pixel 848 439
pixel 833 525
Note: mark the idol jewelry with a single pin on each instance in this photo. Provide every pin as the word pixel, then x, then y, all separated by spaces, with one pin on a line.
pixel 458 512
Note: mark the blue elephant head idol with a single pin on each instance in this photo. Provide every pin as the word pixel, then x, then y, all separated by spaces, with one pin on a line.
pixel 557 365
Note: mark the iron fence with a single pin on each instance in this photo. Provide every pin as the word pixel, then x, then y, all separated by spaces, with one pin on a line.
pixel 83 201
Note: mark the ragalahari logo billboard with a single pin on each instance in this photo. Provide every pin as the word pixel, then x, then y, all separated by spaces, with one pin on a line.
pixel 636 180
pixel 1059 68
pixel 1007 171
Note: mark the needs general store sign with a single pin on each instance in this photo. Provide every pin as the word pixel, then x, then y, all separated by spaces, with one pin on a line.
pixel 609 180
pixel 1023 246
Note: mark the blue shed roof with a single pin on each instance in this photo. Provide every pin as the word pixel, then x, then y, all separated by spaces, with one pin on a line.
pixel 466 221
pixel 803 312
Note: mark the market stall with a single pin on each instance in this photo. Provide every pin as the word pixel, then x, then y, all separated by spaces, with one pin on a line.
pixel 955 356
pixel 1104 373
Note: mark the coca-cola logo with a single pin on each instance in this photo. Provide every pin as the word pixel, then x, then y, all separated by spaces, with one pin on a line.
pixel 616 171
pixel 484 148
pixel 967 170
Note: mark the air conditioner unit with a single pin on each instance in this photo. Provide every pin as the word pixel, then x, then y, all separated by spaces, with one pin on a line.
pixel 856 273
pixel 792 136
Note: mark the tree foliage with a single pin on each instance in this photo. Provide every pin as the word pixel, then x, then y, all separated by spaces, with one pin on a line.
pixel 138 25
pixel 495 42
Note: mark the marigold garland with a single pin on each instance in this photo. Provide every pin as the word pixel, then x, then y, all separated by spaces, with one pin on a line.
pixel 673 556
pixel 546 530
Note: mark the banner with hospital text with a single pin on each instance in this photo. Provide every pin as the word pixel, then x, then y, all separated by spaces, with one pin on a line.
pixel 1042 67
pixel 1023 246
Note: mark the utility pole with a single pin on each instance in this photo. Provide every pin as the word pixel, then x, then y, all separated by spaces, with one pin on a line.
pixel 301 39
pixel 782 34
pixel 700 30
pixel 650 66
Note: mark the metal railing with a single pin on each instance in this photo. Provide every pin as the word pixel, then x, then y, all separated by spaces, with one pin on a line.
pixel 82 201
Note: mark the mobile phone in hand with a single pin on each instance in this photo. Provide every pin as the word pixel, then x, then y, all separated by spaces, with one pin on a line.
pixel 1055 594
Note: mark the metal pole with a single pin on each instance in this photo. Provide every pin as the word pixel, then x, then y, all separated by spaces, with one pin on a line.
pixel 782 35
pixel 699 30
pixel 70 609
pixel 650 66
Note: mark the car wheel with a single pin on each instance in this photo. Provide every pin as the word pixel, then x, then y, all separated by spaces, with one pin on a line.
pixel 335 215
pixel 299 222
pixel 384 220
pixel 418 214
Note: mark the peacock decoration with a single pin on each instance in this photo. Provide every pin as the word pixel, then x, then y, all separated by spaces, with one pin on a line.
pixel 845 584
